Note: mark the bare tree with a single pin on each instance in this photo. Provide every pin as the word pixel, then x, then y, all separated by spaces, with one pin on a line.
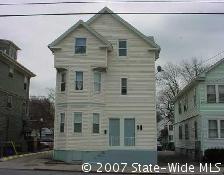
pixel 171 80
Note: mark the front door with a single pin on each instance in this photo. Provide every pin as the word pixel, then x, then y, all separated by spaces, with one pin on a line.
pixel 114 132
pixel 129 132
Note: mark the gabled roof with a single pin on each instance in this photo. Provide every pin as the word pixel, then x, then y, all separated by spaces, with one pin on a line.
pixel 149 40
pixel 200 77
pixel 71 29
pixel 4 57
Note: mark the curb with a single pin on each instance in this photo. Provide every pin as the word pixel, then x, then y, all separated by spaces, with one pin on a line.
pixel 21 155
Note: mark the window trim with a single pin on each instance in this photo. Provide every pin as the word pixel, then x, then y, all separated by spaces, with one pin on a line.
pixel 80 46
pixel 118 48
pixel 186 131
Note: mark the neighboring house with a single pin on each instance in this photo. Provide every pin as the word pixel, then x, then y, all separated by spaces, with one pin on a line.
pixel 199 113
pixel 14 95
pixel 165 124
pixel 105 92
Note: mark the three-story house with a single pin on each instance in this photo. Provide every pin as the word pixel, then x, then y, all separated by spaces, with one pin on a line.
pixel 105 92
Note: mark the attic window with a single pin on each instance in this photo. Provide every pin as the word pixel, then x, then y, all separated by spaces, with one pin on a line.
pixel 80 45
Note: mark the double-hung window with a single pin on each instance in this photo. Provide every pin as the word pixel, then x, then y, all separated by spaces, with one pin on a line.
pixel 96 123
pixel 97 82
pixel 122 47
pixel 195 97
pixel 62 122
pixel 211 94
pixel 77 122
pixel 80 45
pixel 79 81
pixel 124 86
pixel 63 81
pixel 213 129
pixel 221 93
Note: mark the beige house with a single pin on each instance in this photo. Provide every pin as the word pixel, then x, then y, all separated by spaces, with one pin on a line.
pixel 105 92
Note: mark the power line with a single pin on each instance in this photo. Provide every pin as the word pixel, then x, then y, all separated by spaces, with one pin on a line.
pixel 120 13
pixel 116 1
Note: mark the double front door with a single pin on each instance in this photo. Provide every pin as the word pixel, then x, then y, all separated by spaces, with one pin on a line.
pixel 122 132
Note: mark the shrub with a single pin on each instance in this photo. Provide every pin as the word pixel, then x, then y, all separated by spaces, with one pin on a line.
pixel 215 155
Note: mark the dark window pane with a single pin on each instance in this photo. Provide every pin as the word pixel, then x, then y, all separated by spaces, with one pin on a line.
pixel 122 52
pixel 96 128
pixel 122 44
pixel 62 127
pixel 77 127
pixel 80 42
pixel 80 49
pixel 124 86
pixel 62 86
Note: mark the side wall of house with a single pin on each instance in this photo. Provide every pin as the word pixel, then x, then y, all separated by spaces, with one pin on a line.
pixel 189 117
pixel 11 118
pixel 211 111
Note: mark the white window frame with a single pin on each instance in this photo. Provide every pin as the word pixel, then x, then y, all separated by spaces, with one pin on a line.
pixel 118 48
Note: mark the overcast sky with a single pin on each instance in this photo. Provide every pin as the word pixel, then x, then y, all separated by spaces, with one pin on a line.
pixel 180 36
